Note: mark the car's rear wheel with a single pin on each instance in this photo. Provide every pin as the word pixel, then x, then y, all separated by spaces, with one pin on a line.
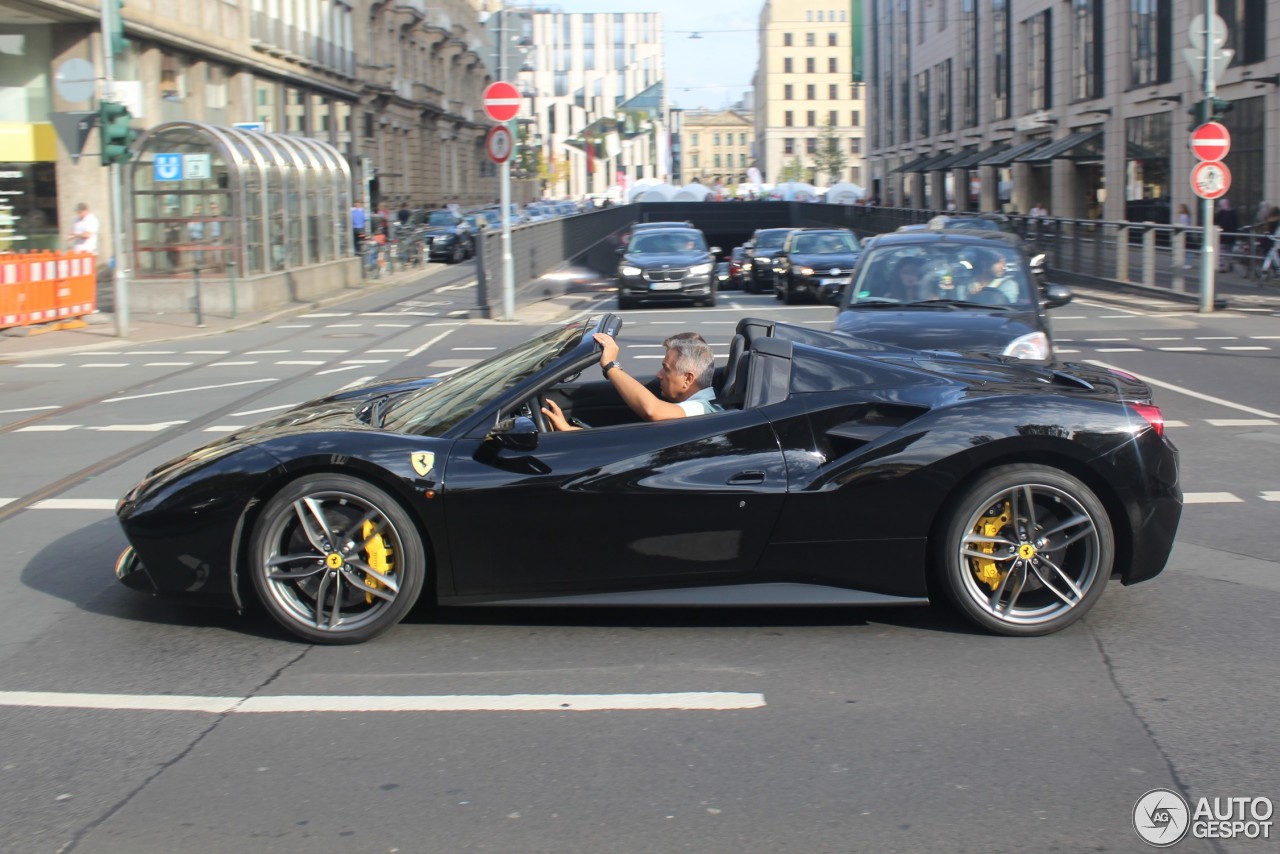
pixel 1026 550
pixel 336 560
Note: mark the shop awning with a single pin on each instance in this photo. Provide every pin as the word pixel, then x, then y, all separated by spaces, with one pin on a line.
pixel 1085 144
pixel 1009 155
pixel 972 158
pixel 910 165
pixel 932 163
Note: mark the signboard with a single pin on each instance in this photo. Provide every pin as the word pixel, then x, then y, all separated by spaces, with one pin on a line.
pixel 1210 141
pixel 498 144
pixel 501 101
pixel 196 167
pixel 1210 179
pixel 168 167
pixel 260 127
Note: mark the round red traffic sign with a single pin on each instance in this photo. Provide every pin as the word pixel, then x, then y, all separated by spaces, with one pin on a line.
pixel 498 143
pixel 1210 141
pixel 1210 179
pixel 501 101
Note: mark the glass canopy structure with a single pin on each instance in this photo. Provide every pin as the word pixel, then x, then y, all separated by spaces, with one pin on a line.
pixel 227 201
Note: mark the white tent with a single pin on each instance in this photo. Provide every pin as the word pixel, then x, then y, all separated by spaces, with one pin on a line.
pixel 650 192
pixel 692 193
pixel 794 191
pixel 844 193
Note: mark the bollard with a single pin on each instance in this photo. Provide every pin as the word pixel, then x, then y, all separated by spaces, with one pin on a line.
pixel 231 281
pixel 199 307
pixel 1149 256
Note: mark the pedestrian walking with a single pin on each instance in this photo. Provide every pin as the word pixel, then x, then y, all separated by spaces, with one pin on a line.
pixel 84 234
pixel 359 218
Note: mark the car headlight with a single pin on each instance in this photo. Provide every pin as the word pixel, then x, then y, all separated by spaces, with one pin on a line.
pixel 628 271
pixel 1033 345
pixel 700 269
pixel 1037 260
pixel 805 271
pixel 763 260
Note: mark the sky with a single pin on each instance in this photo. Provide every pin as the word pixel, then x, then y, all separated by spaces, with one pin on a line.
pixel 713 71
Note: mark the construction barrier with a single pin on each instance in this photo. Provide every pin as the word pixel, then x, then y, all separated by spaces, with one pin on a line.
pixel 47 287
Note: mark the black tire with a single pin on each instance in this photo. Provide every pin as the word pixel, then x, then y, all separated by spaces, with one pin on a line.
pixel 459 253
pixel 1051 548
pixel 777 290
pixel 332 535
pixel 789 295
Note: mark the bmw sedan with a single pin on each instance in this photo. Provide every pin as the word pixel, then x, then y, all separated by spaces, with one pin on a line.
pixel 667 265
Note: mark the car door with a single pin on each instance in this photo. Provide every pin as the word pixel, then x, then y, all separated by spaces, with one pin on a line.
pixel 686 501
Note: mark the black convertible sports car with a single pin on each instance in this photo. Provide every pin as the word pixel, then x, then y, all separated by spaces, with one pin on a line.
pixel 840 472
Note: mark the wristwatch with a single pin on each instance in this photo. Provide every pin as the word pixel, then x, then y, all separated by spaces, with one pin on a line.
pixel 605 369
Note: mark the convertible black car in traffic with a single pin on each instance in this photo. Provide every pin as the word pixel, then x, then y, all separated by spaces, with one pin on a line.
pixel 840 473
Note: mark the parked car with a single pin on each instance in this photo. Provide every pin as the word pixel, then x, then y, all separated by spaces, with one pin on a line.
pixel 667 265
pixel 840 473
pixel 758 260
pixel 815 263
pixel 958 289
pixel 449 236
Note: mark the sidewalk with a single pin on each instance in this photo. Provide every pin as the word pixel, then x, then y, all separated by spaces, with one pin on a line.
pixel 99 331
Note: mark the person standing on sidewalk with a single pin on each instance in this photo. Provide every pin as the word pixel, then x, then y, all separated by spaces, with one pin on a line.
pixel 84 234
pixel 358 219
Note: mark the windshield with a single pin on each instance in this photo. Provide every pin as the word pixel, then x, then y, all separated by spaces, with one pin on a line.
pixel 667 243
pixel 771 240
pixel 824 243
pixel 989 275
pixel 441 218
pixel 438 408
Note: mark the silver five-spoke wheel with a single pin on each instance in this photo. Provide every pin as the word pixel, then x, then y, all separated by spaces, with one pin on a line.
pixel 1027 550
pixel 336 560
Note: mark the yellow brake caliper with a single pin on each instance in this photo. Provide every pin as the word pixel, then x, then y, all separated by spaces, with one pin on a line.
pixel 378 555
pixel 989 526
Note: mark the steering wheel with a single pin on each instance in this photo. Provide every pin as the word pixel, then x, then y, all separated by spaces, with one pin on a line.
pixel 535 412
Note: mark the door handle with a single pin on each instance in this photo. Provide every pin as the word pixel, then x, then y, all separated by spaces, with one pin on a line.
pixel 745 478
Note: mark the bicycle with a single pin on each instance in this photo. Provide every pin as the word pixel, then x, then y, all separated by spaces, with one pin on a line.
pixel 370 250
pixel 410 250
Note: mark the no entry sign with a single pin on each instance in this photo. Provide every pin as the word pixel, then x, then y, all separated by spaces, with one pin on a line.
pixel 501 101
pixel 1210 141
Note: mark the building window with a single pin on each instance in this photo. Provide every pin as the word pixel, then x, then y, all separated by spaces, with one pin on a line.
pixel 1039 31
pixel 811 146
pixel 812 118
pixel 786 39
pixel 968 64
pixel 786 92
pixel 922 104
pixel 832 40
pixel 788 119
pixel 855 145
pixel 693 139
pixel 810 40
pixel 715 140
pixel 695 160
pixel 1248 146
pixel 1246 29
pixel 831 118
pixel 833 65
pixel 833 91
pixel 786 65
pixel 1001 55
pixel 1147 141
pixel 742 138
pixel 855 174
pixel 789 145
pixel 811 92
pixel 855 118
pixel 742 160
pixel 717 161
pixel 1086 49
pixel 1150 41
pixel 810 65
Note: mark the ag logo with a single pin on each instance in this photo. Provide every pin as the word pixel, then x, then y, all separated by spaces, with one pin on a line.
pixel 1161 817
pixel 422 461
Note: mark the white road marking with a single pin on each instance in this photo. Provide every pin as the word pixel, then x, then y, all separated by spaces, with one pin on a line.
pixel 346 350
pixel 193 388
pixel 75 504
pixel 355 382
pixel 265 352
pixel 435 340
pixel 1182 349
pixel 41 365
pixel 28 409
pixel 687 701
pixel 105 365
pixel 338 370
pixel 1119 350
pixel 231 428
pixel 1175 424
pixel 147 353
pixel 1116 316
pixel 231 364
pixel 264 409
pixel 1210 498
pixel 205 352
pixel 365 361
pixel 1264 337
pixel 460 349
pixel 1071 317
pixel 47 428
pixel 1175 338
pixel 1060 350
pixel 1101 340
pixel 1241 422
pixel 1198 395
pixel 392 326
pixel 299 362
pixel 343 325
pixel 137 428
pixel 392 350
pixel 1269 496
pixel 325 314
pixel 4 501
pixel 1246 348
pixel 1104 305
pixel 168 364
pixel 295 326
pixel 1217 338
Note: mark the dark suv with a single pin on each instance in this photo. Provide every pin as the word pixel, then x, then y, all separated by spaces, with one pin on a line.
pixel 815 263
pixel 757 266
pixel 446 235
pixel 667 265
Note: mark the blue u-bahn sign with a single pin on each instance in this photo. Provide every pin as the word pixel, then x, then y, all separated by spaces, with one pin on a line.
pixel 168 167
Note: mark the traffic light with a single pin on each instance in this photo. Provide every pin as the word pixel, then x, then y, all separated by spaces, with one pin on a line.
pixel 114 132
pixel 1208 110
pixel 111 9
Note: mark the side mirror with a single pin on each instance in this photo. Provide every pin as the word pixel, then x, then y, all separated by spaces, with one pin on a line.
pixel 505 435
pixel 1056 296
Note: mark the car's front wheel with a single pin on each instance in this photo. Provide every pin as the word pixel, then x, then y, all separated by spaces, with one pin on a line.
pixel 336 560
pixel 1025 550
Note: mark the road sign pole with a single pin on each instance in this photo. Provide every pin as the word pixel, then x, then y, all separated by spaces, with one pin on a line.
pixel 1209 246
pixel 120 277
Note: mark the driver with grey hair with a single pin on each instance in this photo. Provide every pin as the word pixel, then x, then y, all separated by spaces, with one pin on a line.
pixel 684 379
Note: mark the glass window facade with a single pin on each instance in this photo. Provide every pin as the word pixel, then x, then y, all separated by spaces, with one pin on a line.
pixel 220 199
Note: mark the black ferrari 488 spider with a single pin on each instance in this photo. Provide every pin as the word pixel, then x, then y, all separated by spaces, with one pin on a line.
pixel 840 473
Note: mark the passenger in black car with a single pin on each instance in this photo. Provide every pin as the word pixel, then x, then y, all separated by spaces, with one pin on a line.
pixel 684 379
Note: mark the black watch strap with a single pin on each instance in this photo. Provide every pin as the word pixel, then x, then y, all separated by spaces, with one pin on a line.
pixel 605 369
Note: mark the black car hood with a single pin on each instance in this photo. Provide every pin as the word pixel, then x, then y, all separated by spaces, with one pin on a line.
pixel 682 259
pixel 340 411
pixel 843 260
pixel 959 329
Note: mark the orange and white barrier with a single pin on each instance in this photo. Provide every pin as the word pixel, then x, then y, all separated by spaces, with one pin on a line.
pixel 44 287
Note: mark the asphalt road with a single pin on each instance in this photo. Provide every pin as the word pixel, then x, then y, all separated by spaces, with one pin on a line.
pixel 893 730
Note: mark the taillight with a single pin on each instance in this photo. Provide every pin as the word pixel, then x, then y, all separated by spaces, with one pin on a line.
pixel 1152 414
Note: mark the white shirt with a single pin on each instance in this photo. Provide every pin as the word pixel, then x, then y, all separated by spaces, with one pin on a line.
pixel 700 402
pixel 86 234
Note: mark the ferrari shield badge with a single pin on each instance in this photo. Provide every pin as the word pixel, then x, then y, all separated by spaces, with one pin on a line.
pixel 422 461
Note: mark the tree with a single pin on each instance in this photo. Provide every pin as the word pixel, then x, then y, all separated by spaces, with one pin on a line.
pixel 829 157
pixel 795 171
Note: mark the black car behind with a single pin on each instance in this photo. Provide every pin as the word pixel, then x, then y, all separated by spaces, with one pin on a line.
pixel 667 265
pixel 815 263
pixel 757 272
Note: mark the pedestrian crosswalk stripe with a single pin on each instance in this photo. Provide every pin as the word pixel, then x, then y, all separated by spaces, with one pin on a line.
pixel 1210 498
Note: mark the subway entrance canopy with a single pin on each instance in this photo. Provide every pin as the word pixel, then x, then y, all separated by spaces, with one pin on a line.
pixel 252 208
